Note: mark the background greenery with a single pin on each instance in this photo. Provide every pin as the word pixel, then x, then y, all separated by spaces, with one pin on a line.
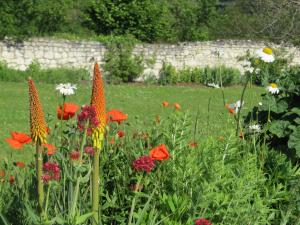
pixel 153 20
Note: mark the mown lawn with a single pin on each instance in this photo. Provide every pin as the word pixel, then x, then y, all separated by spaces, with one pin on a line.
pixel 141 103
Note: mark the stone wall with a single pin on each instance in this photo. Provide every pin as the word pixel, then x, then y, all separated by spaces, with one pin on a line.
pixel 56 53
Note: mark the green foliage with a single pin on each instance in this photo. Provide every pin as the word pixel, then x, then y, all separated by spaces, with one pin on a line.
pixel 120 63
pixel 53 76
pixel 169 75
pixel 279 114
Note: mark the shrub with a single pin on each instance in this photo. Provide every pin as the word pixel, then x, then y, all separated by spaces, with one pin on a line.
pixel 169 75
pixel 55 75
pixel 120 63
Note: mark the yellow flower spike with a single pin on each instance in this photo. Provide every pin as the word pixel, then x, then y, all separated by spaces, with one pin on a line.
pixel 38 126
pixel 268 51
pixel 98 101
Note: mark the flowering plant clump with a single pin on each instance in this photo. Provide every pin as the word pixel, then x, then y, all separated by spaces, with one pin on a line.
pixel 143 163
pixel 202 221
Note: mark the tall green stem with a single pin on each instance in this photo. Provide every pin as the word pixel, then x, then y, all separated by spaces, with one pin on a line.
pixel 240 109
pixel 95 187
pixel 39 174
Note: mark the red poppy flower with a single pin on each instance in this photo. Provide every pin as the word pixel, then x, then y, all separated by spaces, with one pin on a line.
pixel 18 140
pixel 50 149
pixel 20 164
pixel 165 104
pixel 202 221
pixel 159 153
pixel 121 133
pixel 115 115
pixel 70 110
pixel 177 106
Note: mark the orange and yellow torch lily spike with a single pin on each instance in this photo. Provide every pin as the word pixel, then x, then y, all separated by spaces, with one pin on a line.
pixel 38 131
pixel 98 102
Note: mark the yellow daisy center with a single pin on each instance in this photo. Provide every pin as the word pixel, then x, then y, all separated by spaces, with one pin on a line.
pixel 268 51
pixel 273 85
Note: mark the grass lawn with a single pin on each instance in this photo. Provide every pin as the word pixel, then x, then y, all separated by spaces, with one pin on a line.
pixel 141 103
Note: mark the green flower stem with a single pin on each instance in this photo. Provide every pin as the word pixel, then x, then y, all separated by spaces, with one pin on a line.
pixel 61 118
pixel 39 173
pixel 47 199
pixel 134 200
pixel 95 187
pixel 240 109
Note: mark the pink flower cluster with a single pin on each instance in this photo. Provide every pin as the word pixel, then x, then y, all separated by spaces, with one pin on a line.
pixel 51 172
pixel 143 163
pixel 87 115
pixel 89 150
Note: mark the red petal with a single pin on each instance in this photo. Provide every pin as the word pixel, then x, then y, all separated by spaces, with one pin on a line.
pixel 14 144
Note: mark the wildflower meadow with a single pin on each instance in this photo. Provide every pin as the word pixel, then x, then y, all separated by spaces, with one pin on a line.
pixel 93 153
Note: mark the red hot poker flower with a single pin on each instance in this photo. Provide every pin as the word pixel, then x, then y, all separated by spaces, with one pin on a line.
pixel 116 115
pixel 68 111
pixel 202 221
pixel 159 153
pixel 143 163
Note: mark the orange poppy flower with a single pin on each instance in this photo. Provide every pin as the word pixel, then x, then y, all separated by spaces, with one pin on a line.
pixel 21 137
pixel 115 115
pixel 159 153
pixel 14 144
pixel 177 106
pixel 230 108
pixel 51 149
pixel 18 140
pixel 165 104
pixel 70 110
pixel 20 164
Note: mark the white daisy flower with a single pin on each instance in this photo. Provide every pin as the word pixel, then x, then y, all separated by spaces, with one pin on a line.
pixel 273 88
pixel 255 128
pixel 66 89
pixel 213 85
pixel 266 55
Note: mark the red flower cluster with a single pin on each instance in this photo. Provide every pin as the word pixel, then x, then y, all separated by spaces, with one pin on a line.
pixel 87 114
pixel 51 172
pixel 202 221
pixel 89 150
pixel 121 133
pixel 74 155
pixel 143 163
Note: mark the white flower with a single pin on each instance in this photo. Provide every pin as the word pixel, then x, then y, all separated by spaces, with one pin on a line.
pixel 255 128
pixel 247 66
pixel 266 55
pixel 273 88
pixel 257 70
pixel 238 105
pixel 213 85
pixel 260 103
pixel 66 89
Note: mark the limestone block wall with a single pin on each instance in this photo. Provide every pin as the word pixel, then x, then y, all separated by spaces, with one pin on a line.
pixel 56 53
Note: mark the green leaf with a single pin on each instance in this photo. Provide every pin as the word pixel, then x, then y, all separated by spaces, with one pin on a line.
pixel 83 218
pixel 294 141
pixel 270 103
pixel 280 128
